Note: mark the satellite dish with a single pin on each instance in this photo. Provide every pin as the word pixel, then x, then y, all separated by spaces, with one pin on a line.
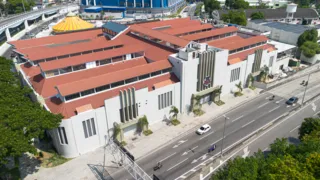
pixel 215 15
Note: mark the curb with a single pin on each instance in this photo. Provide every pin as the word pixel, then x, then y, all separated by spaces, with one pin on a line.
pixel 211 119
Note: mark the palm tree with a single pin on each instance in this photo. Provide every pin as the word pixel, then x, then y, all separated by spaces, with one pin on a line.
pixel 174 110
pixel 239 86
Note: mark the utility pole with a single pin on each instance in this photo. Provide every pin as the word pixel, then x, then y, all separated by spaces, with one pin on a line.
pixel 305 89
pixel 224 128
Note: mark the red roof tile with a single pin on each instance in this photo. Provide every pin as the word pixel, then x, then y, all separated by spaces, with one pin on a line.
pixel 174 23
pixel 187 29
pixel 68 109
pixel 81 59
pixel 57 39
pixel 207 34
pixel 30 70
pixel 225 40
pixel 159 35
pixel 42 52
pixel 240 56
pixel 232 45
pixel 89 83
pixel 46 87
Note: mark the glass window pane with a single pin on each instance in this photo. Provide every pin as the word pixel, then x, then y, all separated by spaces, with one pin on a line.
pixel 93 126
pixel 85 129
pixel 89 128
pixel 60 135
pixel 65 135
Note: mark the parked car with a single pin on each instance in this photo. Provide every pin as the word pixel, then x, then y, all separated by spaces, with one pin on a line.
pixel 292 100
pixel 203 129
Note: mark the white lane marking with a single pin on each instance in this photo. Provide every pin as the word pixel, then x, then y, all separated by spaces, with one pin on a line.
pixel 180 142
pixel 231 133
pixel 294 128
pixel 266 148
pixel 237 118
pixel 279 101
pixel 177 164
pixel 274 109
pixel 167 157
pixel 185 153
pixel 248 123
pixel 206 135
pixel 263 105
pixel 216 141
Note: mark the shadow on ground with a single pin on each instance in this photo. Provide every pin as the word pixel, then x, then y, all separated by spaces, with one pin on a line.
pixel 28 165
pixel 293 140
pixel 100 172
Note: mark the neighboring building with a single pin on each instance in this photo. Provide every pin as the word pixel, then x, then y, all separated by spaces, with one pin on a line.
pixel 291 14
pixel 269 3
pixel 283 32
pixel 130 7
pixel 71 23
pixel 97 78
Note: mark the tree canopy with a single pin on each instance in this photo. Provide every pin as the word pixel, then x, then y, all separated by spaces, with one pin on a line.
pixel 309 49
pixel 284 161
pixel 308 35
pixel 235 17
pixel 21 120
pixel 16 6
pixel 257 15
pixel 303 3
pixel 211 5
pixel 237 4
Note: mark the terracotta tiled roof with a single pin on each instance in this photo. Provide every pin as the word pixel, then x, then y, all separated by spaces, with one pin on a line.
pixel 206 34
pixel 46 87
pixel 174 23
pixel 187 29
pixel 56 39
pixel 240 56
pixel 159 35
pixel 222 41
pixel 232 45
pixel 30 70
pixel 84 108
pixel 38 53
pixel 68 109
pixel 89 83
pixel 101 55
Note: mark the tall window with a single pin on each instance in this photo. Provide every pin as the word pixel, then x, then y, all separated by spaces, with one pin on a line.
pixel 62 135
pixel 271 61
pixel 164 100
pixel 89 128
pixel 235 74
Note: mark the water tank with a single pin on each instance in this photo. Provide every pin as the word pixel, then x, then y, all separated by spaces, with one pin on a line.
pixel 291 8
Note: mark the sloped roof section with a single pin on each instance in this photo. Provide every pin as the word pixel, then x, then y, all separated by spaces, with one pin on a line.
pixel 72 23
pixel 115 27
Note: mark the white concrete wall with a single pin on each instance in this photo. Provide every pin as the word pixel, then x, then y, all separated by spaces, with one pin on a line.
pixel 311 60
pixel 221 71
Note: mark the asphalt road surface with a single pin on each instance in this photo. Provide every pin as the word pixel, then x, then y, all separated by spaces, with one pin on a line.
pixel 186 152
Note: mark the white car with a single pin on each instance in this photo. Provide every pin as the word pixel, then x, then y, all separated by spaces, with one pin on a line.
pixel 203 129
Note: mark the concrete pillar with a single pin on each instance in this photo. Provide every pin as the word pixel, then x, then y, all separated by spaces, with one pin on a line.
pixel 43 17
pixel 94 2
pixel 143 3
pixel 151 4
pixel 8 34
pixel 126 3
pixel 87 2
pixel 26 24
pixel 134 3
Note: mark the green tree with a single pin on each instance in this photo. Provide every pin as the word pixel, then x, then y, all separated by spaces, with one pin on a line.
pixel 313 164
pixel 237 4
pixel 262 6
pixel 235 17
pixel 309 49
pixel 21 120
pixel 175 111
pixel 257 15
pixel 308 35
pixel 211 5
pixel 239 86
pixel 309 125
pixel 16 6
pixel 198 9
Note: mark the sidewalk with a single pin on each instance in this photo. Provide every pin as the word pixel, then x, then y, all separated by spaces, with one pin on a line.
pixel 164 134
pixel 90 165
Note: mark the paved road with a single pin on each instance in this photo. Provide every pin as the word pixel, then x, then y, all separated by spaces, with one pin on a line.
pixel 191 150
pixel 287 128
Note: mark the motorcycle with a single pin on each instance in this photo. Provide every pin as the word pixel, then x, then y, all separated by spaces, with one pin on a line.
pixel 272 98
pixel 158 166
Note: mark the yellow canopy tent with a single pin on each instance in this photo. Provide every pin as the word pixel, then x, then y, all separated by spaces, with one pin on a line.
pixel 72 23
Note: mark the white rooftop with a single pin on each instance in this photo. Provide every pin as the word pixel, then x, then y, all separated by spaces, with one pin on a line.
pixel 281 46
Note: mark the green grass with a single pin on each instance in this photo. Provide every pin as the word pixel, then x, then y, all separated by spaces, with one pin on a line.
pixel 252 87
pixel 219 103
pixel 198 9
pixel 198 112
pixel 236 94
pixel 175 122
pixel 147 132
pixel 54 160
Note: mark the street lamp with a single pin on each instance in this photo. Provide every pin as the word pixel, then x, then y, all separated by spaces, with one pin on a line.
pixel 305 89
pixel 224 128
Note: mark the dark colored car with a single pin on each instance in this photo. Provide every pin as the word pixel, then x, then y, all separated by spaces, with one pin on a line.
pixel 292 100
pixel 212 148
